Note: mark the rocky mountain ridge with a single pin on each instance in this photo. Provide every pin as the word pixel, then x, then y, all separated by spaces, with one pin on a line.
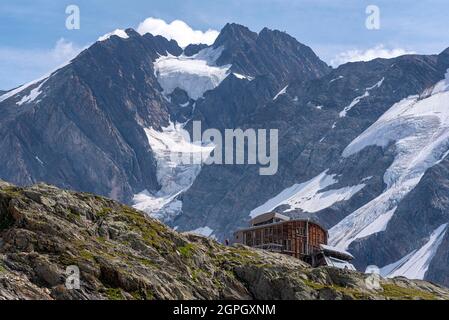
pixel 121 254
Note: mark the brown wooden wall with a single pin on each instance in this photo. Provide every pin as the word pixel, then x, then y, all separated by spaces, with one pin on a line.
pixel 287 237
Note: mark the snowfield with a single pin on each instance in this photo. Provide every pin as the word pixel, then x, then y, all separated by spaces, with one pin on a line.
pixel 415 264
pixel 195 75
pixel 171 148
pixel 419 128
pixel 309 196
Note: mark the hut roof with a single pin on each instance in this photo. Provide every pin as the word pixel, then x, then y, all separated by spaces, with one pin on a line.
pixel 336 252
pixel 268 216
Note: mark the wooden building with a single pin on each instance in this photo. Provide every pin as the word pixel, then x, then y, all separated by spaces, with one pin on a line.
pixel 302 239
pixel 275 232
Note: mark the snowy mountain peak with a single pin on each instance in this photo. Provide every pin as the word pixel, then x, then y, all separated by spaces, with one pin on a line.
pixel 118 32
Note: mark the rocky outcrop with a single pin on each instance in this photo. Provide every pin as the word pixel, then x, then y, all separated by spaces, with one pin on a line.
pixel 121 254
pixel 193 49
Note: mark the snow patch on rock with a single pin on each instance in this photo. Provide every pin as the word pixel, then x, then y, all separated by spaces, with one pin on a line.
pixel 357 100
pixel 309 196
pixel 280 93
pixel 33 95
pixel 34 92
pixel 415 264
pixel 242 77
pixel 18 90
pixel 336 79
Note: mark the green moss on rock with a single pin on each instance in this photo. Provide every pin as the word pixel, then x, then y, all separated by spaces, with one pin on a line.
pixel 187 251
pixel 114 294
pixel 396 292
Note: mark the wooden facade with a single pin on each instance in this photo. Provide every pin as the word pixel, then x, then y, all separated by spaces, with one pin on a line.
pixel 297 238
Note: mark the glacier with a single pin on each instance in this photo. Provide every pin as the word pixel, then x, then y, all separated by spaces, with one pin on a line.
pixel 419 128
pixel 195 75
pixel 172 149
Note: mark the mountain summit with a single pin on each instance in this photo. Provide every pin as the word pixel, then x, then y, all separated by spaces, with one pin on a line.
pixel 270 52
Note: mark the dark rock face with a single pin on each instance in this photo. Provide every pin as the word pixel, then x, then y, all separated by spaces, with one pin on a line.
pixel 233 102
pixel 181 106
pixel 437 271
pixel 273 58
pixel 193 49
pixel 86 131
pixel 121 254
pixel 270 52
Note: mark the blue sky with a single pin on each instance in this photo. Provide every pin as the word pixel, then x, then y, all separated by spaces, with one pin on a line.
pixel 34 38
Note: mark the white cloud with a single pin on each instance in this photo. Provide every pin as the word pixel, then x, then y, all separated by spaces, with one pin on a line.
pixel 64 51
pixel 22 65
pixel 177 30
pixel 378 51
pixel 117 32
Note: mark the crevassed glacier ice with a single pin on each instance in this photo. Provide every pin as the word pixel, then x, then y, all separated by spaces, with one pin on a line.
pixel 171 147
pixel 195 75
pixel 419 127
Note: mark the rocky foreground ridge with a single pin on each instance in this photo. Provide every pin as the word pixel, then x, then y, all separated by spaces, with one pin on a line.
pixel 122 254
